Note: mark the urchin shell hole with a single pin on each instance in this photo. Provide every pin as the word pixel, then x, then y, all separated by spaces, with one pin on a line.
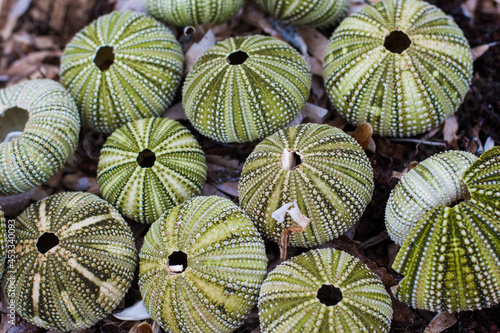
pixel 178 258
pixel 237 57
pixel 397 41
pixel 329 295
pixel 46 241
pixel 104 57
pixel 465 197
pixel 146 158
pixel 291 159
pixel 12 123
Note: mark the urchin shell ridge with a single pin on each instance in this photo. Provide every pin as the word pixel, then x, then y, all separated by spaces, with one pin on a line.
pixel 49 137
pixel 401 93
pixel 332 186
pixel 245 101
pixel 145 193
pixel 83 277
pixel 193 12
pixel 142 75
pixel 226 264
pixel 288 299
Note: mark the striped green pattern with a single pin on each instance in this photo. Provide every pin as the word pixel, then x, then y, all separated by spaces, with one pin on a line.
pixel 399 94
pixel 226 264
pixel 48 139
pixel 332 186
pixel 312 13
pixel 435 181
pixel 193 12
pixel 145 193
pixel 243 102
pixel 3 242
pixel 141 80
pixel 451 258
pixel 288 299
pixel 83 278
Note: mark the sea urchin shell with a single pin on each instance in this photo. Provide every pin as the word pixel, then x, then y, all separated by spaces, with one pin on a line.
pixel 122 67
pixel 324 290
pixel 245 88
pixel 193 12
pixel 149 166
pixel 451 257
pixel 75 259
pixel 401 65
pixel 319 167
pixel 47 124
pixel 201 267
pixel 313 13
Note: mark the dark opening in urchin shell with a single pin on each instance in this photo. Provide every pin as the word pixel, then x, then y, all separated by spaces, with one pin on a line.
pixel 237 58
pixel 13 120
pixel 178 258
pixel 397 41
pixel 104 57
pixel 329 295
pixel 47 241
pixel 146 158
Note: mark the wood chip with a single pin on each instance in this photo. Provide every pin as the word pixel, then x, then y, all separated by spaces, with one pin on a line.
pixel 441 322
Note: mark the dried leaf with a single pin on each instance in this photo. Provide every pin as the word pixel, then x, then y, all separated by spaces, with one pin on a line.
pixel 314 113
pixel 135 312
pixel 175 112
pixel 488 144
pixel 469 8
pixel 302 222
pixel 441 322
pixel 135 5
pixel 316 43
pixel 362 134
pixel 197 49
pixel 478 51
pixel 19 8
pixel 450 131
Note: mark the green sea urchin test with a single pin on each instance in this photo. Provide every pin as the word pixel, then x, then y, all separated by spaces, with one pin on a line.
pixel 435 181
pixel 450 259
pixel 312 13
pixel 201 267
pixel 401 65
pixel 122 67
pixel 75 259
pixel 245 88
pixel 324 290
pixel 39 127
pixel 319 168
pixel 193 12
pixel 149 166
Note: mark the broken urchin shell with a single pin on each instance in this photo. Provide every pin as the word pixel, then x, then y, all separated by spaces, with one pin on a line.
pixel 245 88
pixel 324 290
pixel 149 166
pixel 39 127
pixel 312 13
pixel 450 259
pixel 193 12
pixel 201 267
pixel 122 67
pixel 401 65
pixel 75 259
pixel 317 168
